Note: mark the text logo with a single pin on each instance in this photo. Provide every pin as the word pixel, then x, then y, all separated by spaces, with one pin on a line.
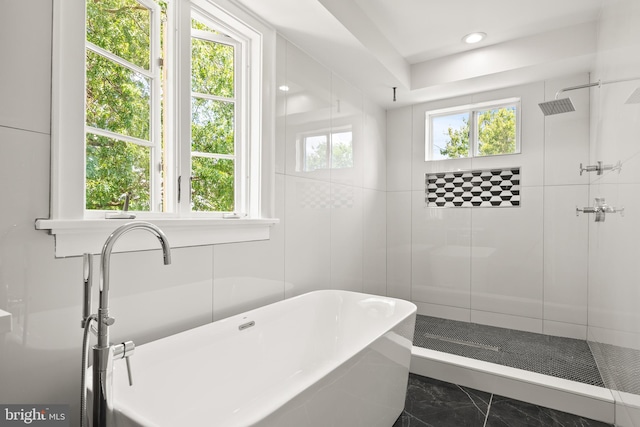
pixel 34 415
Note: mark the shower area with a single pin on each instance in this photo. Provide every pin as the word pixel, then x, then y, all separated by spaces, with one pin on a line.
pixel 549 284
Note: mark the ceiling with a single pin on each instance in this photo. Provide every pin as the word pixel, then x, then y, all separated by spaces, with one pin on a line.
pixel 416 45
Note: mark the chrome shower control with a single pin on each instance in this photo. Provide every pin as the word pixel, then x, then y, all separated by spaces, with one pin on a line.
pixel 600 209
pixel 599 168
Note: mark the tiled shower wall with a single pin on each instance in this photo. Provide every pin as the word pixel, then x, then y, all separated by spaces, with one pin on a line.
pixel 522 267
pixel 331 234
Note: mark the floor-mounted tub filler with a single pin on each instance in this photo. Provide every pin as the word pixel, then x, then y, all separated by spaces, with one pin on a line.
pixel 323 358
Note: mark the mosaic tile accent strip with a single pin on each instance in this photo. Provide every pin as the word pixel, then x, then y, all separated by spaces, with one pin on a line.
pixel 475 188
pixel 322 195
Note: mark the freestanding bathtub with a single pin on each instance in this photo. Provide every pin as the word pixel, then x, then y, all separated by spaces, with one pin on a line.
pixel 326 358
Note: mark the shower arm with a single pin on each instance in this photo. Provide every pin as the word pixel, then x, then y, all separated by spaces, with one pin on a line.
pixel 599 83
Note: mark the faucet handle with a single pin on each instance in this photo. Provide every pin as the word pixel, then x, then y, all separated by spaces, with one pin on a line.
pixel 124 351
pixel 129 374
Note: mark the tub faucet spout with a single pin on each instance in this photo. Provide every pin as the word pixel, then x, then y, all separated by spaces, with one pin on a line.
pixel 104 353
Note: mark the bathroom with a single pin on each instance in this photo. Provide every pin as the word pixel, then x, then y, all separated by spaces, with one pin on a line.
pixel 363 228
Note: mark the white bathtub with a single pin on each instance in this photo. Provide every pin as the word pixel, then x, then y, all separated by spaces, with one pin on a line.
pixel 326 358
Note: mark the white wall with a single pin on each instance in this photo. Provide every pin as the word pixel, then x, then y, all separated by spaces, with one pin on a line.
pixel 319 243
pixel 522 268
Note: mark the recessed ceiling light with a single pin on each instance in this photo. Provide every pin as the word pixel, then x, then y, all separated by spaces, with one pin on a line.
pixel 284 88
pixel 474 38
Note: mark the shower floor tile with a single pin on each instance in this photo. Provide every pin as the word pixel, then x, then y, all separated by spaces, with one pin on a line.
pixel 433 403
pixel 559 357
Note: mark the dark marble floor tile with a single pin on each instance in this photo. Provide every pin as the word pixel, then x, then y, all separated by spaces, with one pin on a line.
pixel 505 412
pixel 433 403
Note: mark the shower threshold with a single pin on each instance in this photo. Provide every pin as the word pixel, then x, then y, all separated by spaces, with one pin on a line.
pixel 560 373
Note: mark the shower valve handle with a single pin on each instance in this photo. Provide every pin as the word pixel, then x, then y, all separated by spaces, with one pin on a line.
pixel 599 168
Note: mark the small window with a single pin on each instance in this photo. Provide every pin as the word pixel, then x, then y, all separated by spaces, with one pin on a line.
pixel 326 150
pixel 478 130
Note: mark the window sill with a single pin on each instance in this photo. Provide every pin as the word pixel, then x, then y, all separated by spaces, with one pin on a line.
pixel 75 237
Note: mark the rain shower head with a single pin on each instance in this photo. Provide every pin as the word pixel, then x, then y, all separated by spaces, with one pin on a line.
pixel 564 105
pixel 557 106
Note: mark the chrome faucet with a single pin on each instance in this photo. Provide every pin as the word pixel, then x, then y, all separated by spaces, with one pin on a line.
pixel 104 353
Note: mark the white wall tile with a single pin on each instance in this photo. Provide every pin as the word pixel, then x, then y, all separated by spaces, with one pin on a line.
pixel 502 320
pixel 566 139
pixel 307 235
pixel 139 280
pixel 441 254
pixel 375 147
pixel 251 274
pixel 25 77
pixel 399 149
pixel 443 311
pixel 566 253
pixel 25 191
pixel 507 258
pixel 562 329
pixel 346 237
pixel 399 244
pixel 374 242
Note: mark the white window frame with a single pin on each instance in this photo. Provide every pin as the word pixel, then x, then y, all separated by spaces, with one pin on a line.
pixel 329 134
pixel 473 110
pixel 76 232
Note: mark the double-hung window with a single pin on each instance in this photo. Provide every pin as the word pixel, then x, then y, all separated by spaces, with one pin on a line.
pixel 483 129
pixel 162 109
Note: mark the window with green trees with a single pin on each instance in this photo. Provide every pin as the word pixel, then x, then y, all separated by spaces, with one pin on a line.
pixel 486 129
pixel 133 109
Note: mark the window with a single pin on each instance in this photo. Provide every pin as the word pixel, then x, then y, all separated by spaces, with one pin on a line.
pixel 166 103
pixel 129 111
pixel 485 129
pixel 325 150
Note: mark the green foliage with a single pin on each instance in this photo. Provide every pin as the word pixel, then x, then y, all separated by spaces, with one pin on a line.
pixel 458 144
pixel 496 135
pixel 497 132
pixel 117 166
pixel 212 184
pixel 118 99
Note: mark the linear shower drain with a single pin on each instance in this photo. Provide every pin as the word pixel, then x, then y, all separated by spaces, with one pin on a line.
pixel 467 343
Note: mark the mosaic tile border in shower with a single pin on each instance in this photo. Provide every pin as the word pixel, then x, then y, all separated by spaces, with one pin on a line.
pixel 473 188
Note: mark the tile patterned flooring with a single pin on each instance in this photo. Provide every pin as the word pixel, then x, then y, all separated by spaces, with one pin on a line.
pixel 559 357
pixel 433 403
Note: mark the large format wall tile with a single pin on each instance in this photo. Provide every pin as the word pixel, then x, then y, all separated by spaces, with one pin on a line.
pixel 346 237
pixel 441 254
pixel 399 244
pixel 374 242
pixel 307 235
pixel 506 257
pixel 250 274
pixel 566 253
pixel 399 149
pixel 25 76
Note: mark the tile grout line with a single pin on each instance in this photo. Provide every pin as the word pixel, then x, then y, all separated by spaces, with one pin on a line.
pixel 486 417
